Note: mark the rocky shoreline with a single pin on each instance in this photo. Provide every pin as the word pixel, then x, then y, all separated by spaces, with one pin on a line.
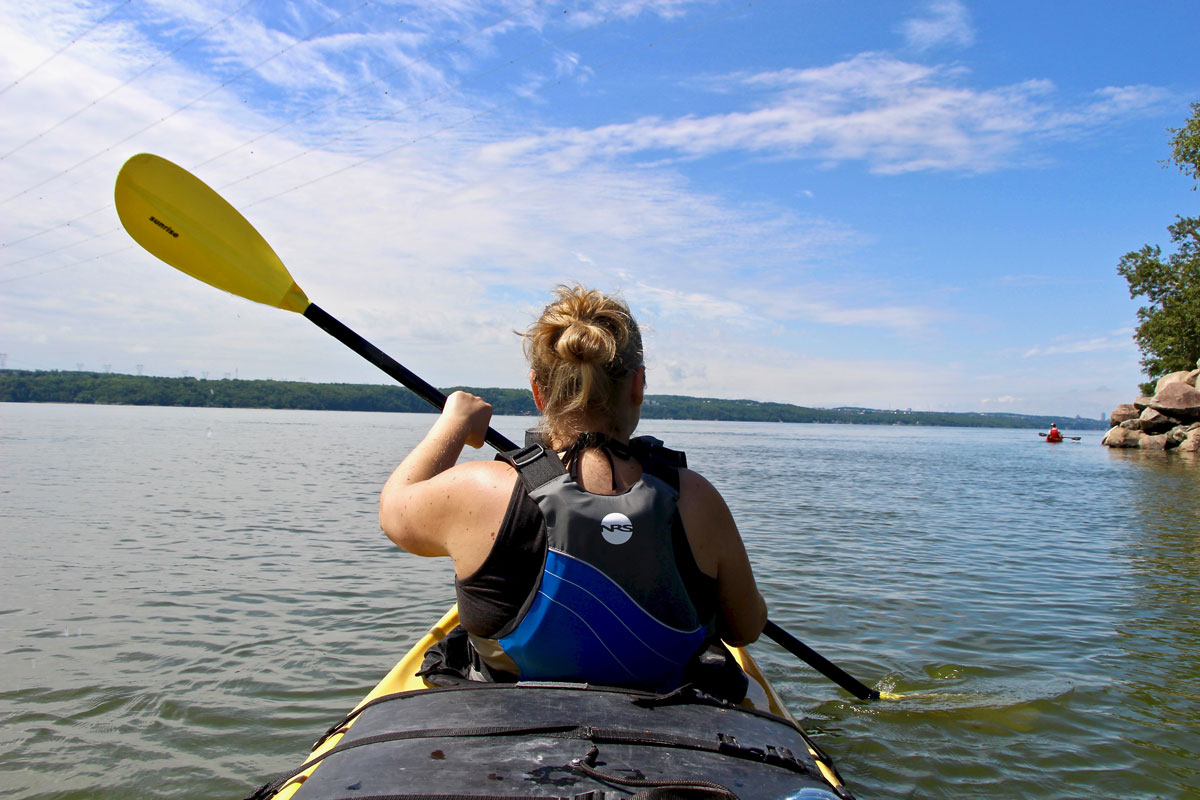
pixel 1170 420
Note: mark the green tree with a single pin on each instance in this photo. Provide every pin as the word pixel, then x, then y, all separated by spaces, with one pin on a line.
pixel 1168 333
pixel 1185 145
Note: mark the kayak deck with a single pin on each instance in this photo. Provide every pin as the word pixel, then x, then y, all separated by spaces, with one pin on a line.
pixel 551 740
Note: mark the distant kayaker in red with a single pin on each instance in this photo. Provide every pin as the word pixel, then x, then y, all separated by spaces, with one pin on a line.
pixel 1053 435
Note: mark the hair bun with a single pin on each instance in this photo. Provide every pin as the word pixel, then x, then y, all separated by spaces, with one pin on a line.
pixel 586 342
pixel 581 349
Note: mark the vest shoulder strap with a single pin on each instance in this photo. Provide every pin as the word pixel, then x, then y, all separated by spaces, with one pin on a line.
pixel 537 465
pixel 658 459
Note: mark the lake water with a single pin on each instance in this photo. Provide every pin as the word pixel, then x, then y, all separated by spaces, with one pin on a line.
pixel 188 597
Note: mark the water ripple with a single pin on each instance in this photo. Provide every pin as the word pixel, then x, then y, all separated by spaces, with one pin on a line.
pixel 223 599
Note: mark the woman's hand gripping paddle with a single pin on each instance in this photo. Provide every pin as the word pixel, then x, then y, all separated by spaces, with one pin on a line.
pixel 179 219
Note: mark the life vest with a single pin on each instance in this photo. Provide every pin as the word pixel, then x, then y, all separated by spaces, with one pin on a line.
pixel 610 606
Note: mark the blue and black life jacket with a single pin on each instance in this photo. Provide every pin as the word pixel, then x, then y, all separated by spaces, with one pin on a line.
pixel 610 606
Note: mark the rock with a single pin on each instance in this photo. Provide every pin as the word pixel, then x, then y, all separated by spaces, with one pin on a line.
pixel 1173 377
pixel 1121 413
pixel 1177 400
pixel 1159 441
pixel 1170 420
pixel 1156 422
pixel 1121 437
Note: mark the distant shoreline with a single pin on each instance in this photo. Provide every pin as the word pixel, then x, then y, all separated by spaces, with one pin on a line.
pixel 105 388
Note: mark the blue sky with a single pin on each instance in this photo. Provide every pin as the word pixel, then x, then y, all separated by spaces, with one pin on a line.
pixel 885 204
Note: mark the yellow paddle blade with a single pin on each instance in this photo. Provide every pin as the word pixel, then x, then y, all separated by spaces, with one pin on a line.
pixel 179 219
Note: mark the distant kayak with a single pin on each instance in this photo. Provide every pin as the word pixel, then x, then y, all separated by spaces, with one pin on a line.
pixel 1054 438
pixel 559 740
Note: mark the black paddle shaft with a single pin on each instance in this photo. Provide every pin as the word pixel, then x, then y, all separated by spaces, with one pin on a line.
pixel 819 662
pixel 410 380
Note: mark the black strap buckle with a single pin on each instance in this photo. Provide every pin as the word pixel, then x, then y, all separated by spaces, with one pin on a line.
pixel 527 455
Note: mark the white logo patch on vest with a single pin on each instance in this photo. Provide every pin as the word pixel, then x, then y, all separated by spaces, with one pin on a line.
pixel 616 528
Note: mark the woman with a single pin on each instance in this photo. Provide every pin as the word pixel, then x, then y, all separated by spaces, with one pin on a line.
pixel 588 555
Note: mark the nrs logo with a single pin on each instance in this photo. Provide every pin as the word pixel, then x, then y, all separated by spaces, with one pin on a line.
pixel 616 528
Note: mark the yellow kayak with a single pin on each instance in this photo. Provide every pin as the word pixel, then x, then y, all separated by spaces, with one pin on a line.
pixel 410 739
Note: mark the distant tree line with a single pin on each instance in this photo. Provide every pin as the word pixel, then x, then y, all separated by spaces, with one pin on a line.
pixel 138 390
pixel 677 407
pixel 24 386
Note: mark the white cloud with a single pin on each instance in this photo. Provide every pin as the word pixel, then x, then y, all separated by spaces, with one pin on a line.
pixel 896 116
pixel 697 306
pixel 1071 347
pixel 946 23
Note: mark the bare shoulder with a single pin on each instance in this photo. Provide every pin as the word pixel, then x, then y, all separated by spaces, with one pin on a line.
pixel 474 508
pixel 696 491
pixel 484 475
pixel 469 494
pixel 439 506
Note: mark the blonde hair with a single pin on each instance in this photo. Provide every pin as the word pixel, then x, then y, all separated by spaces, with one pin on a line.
pixel 581 350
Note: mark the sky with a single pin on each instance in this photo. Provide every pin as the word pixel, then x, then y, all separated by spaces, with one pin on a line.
pixel 883 204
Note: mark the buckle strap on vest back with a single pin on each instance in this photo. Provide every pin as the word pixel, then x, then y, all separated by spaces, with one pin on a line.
pixel 536 464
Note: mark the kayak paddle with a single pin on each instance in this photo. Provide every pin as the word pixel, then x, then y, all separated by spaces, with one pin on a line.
pixel 1076 438
pixel 823 665
pixel 179 219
